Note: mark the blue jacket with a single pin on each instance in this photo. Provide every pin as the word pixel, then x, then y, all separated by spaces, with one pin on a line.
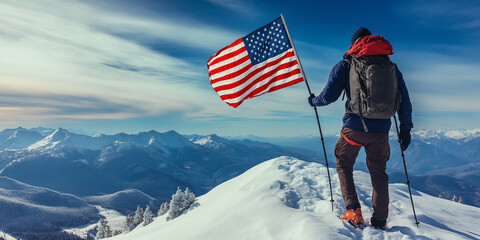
pixel 339 81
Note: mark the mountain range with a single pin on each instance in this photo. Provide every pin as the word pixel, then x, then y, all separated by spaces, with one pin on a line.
pixel 152 162
pixel 122 171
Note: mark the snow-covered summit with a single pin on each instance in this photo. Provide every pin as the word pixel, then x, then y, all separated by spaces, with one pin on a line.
pixel 60 136
pixel 211 141
pixel 18 138
pixel 286 198
pixel 172 139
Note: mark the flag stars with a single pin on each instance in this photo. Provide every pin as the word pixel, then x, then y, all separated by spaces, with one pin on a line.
pixel 267 42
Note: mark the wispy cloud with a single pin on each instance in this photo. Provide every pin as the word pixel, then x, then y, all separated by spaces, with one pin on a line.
pixel 441 83
pixel 188 34
pixel 61 54
pixel 67 61
pixel 453 15
pixel 235 6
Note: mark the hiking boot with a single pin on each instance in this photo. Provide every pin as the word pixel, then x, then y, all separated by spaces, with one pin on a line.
pixel 354 217
pixel 378 224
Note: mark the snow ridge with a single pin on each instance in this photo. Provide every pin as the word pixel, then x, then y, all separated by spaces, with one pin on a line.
pixel 211 141
pixel 286 198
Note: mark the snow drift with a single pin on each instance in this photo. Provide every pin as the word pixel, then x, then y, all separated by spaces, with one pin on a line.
pixel 286 198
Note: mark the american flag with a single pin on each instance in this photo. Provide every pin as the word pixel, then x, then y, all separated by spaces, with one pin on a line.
pixel 263 61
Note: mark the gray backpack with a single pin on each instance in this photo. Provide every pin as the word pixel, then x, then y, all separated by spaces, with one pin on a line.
pixel 374 91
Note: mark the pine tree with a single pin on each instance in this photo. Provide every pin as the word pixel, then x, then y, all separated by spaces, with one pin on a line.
pixel 190 197
pixel 176 204
pixel 104 230
pixel 163 209
pixel 129 226
pixel 138 218
pixel 180 202
pixel 454 198
pixel 147 216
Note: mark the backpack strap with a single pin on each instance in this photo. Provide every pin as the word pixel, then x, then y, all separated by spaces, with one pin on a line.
pixel 359 104
pixel 345 90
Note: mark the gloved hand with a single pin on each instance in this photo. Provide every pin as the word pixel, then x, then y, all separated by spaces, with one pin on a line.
pixel 404 139
pixel 310 99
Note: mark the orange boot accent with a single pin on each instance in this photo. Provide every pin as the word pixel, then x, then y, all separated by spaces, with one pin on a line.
pixel 354 217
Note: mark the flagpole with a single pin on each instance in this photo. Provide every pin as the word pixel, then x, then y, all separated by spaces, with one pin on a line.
pixel 315 108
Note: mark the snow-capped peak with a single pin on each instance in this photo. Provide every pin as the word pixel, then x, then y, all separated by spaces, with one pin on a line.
pixel 455 134
pixel 19 138
pixel 286 198
pixel 172 139
pixel 211 141
pixel 59 135
pixel 52 140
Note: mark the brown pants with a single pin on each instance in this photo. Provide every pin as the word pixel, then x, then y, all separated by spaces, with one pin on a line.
pixel 377 149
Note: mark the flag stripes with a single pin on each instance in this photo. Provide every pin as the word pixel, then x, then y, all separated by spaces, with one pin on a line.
pixel 263 61
pixel 235 78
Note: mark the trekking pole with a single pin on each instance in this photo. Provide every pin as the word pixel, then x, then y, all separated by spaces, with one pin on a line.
pixel 315 108
pixel 406 174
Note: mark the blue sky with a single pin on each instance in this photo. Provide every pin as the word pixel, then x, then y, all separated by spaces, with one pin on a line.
pixel 128 66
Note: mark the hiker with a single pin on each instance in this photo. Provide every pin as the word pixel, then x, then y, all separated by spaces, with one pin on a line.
pixel 366 122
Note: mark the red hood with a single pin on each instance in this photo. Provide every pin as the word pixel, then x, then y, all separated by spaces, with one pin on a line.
pixel 371 45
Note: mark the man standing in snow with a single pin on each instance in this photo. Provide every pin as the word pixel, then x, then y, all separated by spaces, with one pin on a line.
pixel 361 128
